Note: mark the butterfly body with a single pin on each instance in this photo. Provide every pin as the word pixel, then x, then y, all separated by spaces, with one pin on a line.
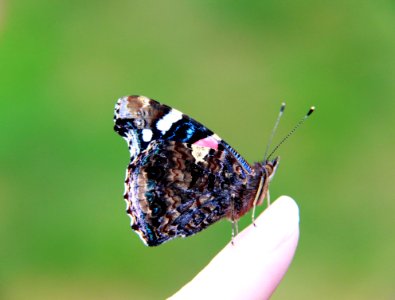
pixel 182 177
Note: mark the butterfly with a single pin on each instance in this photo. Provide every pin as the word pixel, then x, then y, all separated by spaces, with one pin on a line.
pixel 182 177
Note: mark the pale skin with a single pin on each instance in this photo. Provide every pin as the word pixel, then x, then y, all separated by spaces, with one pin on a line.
pixel 254 265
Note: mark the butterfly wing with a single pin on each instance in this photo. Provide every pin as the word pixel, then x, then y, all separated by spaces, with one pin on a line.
pixel 178 189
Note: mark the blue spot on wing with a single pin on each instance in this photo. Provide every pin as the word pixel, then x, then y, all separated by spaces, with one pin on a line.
pixel 189 132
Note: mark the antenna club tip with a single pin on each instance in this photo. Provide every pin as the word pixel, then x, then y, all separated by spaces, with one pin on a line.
pixel 282 107
pixel 311 110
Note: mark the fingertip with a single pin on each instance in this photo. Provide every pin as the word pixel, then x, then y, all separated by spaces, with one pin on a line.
pixel 287 208
pixel 259 257
pixel 283 214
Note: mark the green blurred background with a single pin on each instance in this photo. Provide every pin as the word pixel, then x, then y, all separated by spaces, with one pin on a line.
pixel 229 64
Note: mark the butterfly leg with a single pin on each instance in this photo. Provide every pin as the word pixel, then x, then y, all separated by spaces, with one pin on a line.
pixel 268 198
pixel 256 200
pixel 253 211
pixel 235 230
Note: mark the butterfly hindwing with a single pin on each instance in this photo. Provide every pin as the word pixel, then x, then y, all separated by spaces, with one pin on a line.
pixel 178 189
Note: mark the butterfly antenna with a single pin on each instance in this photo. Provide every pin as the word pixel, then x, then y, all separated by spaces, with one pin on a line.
pixel 274 130
pixel 311 110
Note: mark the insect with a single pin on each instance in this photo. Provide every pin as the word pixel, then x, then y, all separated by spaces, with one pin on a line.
pixel 182 177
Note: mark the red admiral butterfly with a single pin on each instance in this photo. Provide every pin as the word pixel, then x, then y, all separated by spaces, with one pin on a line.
pixel 182 177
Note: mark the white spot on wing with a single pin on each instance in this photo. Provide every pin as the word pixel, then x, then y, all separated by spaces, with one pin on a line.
pixel 199 152
pixel 168 120
pixel 147 135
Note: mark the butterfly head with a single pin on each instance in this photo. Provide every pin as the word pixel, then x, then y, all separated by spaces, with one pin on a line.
pixel 270 168
pixel 264 174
